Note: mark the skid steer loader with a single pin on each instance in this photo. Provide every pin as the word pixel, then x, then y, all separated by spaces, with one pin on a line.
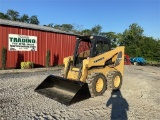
pixel 92 69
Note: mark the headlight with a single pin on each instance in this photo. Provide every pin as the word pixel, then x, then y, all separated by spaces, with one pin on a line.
pixel 91 37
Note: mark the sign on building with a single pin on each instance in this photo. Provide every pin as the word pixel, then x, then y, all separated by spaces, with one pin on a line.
pixel 22 42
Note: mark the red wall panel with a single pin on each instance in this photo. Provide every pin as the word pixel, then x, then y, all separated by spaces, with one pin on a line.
pixel 60 46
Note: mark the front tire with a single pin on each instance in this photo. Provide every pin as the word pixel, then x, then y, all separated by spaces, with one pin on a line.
pixel 97 84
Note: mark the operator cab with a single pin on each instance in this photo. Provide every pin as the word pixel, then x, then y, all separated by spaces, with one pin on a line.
pixel 88 47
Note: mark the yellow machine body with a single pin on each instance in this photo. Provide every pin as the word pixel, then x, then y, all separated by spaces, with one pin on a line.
pixel 88 79
pixel 96 61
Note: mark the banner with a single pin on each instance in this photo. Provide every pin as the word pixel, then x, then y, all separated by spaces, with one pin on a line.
pixel 22 42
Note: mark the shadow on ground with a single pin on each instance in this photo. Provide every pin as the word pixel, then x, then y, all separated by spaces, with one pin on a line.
pixel 119 106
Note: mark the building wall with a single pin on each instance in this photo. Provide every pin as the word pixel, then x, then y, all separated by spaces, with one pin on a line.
pixel 60 46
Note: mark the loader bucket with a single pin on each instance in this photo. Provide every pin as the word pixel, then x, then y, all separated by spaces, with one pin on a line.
pixel 63 90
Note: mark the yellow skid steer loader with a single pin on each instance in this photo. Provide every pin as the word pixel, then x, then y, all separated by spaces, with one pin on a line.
pixel 92 69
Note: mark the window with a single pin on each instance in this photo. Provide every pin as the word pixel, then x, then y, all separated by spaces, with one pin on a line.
pixel 101 47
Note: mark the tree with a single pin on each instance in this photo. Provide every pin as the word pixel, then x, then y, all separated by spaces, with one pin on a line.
pixel 111 36
pixel 24 18
pixel 67 27
pixel 133 34
pixel 3 16
pixel 59 27
pixel 120 41
pixel 63 27
pixel 96 30
pixel 34 20
pixel 136 44
pixel 150 48
pixel 77 29
pixel 4 57
pixel 131 39
pixel 50 25
pixel 13 15
pixel 158 50
pixel 86 32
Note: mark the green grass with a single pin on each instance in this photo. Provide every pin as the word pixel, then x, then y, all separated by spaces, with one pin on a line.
pixel 152 61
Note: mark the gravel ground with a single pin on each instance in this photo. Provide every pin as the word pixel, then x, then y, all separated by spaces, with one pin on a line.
pixel 139 98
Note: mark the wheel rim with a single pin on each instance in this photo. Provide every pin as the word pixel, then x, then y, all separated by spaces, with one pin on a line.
pixel 99 85
pixel 116 81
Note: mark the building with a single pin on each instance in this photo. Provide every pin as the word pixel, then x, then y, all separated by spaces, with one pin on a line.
pixel 29 42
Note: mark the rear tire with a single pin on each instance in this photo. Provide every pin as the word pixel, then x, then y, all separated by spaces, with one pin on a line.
pixel 114 80
pixel 97 84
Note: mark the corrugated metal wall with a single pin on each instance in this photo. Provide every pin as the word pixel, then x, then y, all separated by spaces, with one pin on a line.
pixel 60 46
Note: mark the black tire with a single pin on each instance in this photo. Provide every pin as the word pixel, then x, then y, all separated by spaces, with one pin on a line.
pixel 111 80
pixel 92 80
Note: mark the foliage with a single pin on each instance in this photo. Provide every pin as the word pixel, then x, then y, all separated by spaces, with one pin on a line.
pixel 27 65
pixel 4 57
pixel 49 25
pixel 24 18
pixel 136 44
pixel 57 27
pixel 4 16
pixel 48 58
pixel 111 36
pixel 96 30
pixel 63 27
pixel 34 20
pixel 14 16
pixel 86 32
pixel 67 27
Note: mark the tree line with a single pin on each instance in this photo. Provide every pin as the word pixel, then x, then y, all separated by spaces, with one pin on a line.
pixel 135 42
pixel 14 16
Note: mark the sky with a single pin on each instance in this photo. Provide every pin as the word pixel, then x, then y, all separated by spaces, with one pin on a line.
pixel 112 15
